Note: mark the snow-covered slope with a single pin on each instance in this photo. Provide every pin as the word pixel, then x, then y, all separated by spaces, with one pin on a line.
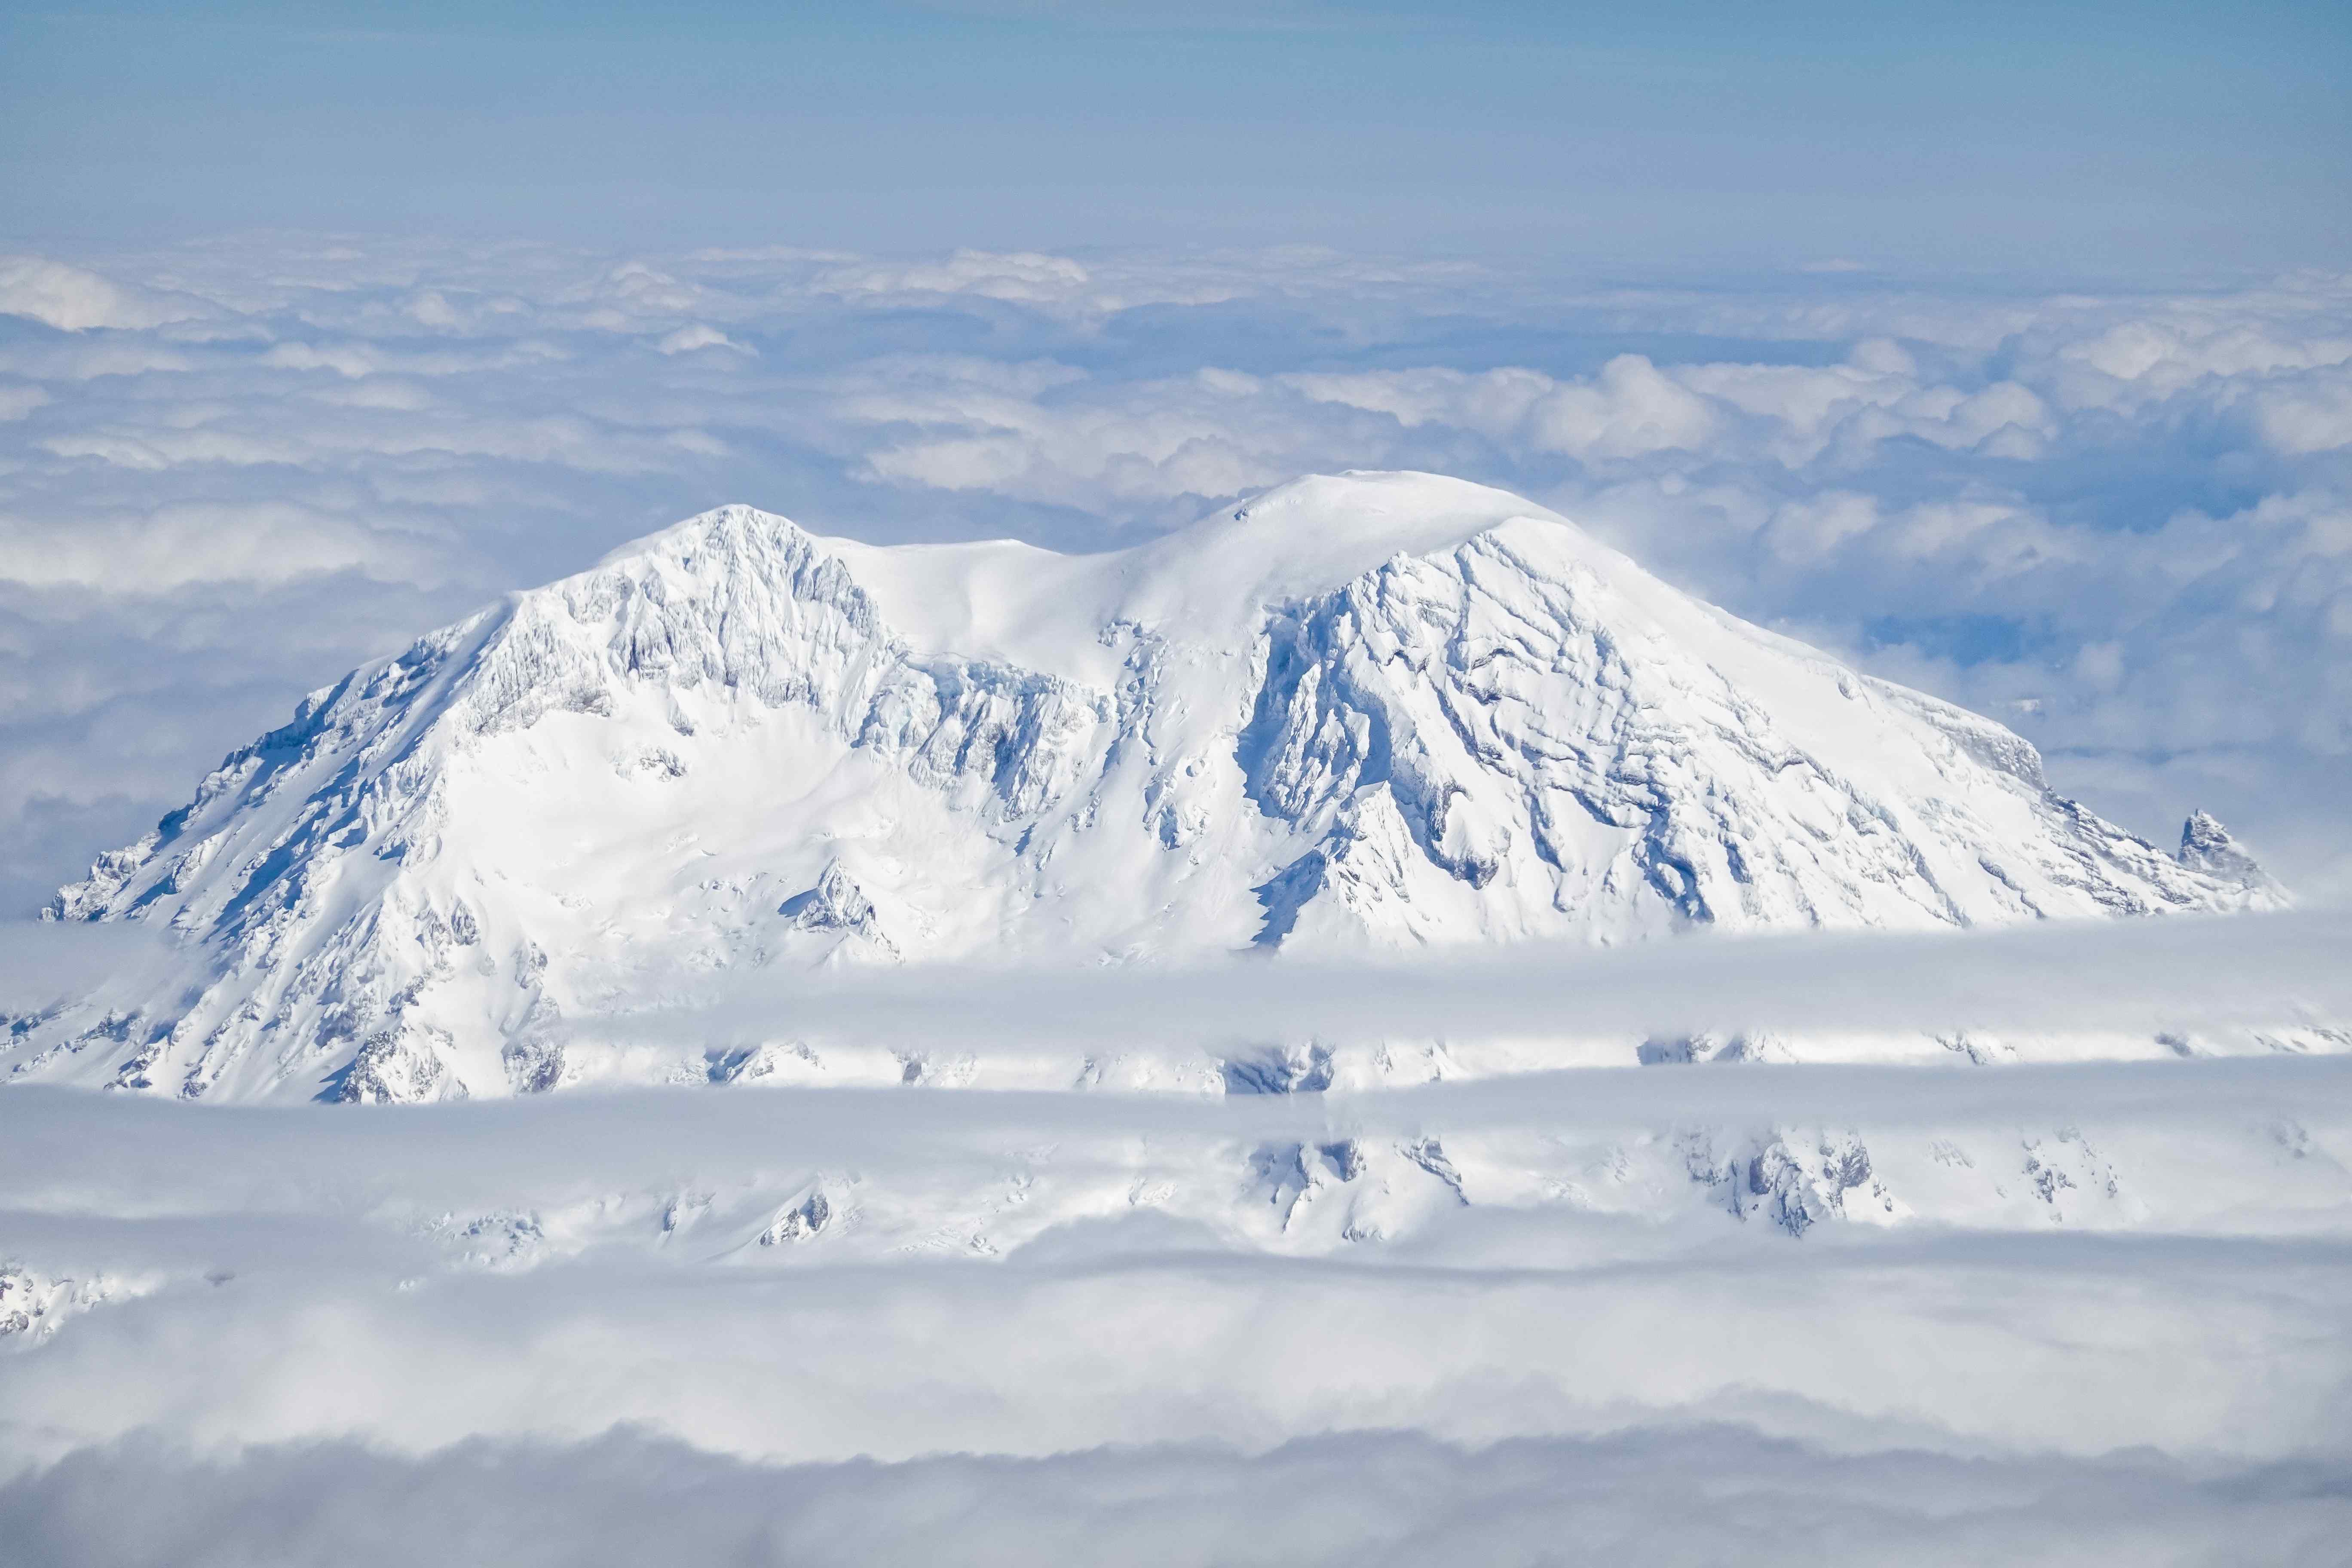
pixel 1362 711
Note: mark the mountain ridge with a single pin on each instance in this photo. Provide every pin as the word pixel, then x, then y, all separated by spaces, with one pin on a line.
pixel 1359 711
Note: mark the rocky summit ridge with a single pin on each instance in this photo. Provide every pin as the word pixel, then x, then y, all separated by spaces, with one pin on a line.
pixel 1361 712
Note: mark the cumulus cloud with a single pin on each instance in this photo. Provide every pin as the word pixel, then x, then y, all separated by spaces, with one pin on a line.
pixel 74 300
pixel 1058 439
pixel 1627 410
pixel 178 546
pixel 1026 276
pixel 2308 414
pixel 2169 352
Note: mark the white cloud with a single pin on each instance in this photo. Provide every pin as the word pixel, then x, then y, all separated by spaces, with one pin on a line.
pixel 2307 414
pixel 1808 530
pixel 1374 1500
pixel 73 299
pixel 400 427
pixel 1633 408
pixel 2170 353
pixel 1628 410
pixel 178 546
pixel 686 340
pixel 1034 432
pixel 645 290
pixel 431 309
pixel 1030 277
pixel 354 360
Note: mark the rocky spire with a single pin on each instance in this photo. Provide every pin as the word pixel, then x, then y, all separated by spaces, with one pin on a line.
pixel 2206 846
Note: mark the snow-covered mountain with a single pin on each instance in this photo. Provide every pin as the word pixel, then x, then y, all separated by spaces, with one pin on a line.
pixel 1365 711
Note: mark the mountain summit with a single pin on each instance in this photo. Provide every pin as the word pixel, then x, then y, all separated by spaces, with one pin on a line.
pixel 1368 711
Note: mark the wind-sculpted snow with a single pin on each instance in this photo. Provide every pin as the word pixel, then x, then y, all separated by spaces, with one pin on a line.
pixel 1359 714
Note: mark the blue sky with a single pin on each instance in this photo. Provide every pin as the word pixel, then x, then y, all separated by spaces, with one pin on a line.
pixel 2057 140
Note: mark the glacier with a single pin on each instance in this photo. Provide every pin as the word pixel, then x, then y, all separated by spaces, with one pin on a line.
pixel 1362 713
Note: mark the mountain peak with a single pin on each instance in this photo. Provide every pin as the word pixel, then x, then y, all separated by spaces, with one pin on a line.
pixel 682 538
pixel 1362 711
pixel 1319 531
pixel 2206 846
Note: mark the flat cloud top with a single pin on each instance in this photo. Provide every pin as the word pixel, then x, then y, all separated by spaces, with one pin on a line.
pixel 2162 973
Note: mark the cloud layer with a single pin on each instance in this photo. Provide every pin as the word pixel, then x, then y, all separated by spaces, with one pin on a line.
pixel 2122 523
pixel 1673 1496
pixel 2168 977
pixel 2027 1261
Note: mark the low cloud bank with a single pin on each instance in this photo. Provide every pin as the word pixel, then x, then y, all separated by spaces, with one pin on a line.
pixel 1686 1496
pixel 2162 974
pixel 262 1327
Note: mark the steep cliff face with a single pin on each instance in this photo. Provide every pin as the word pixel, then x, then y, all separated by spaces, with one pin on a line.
pixel 2206 846
pixel 1500 740
pixel 1362 711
